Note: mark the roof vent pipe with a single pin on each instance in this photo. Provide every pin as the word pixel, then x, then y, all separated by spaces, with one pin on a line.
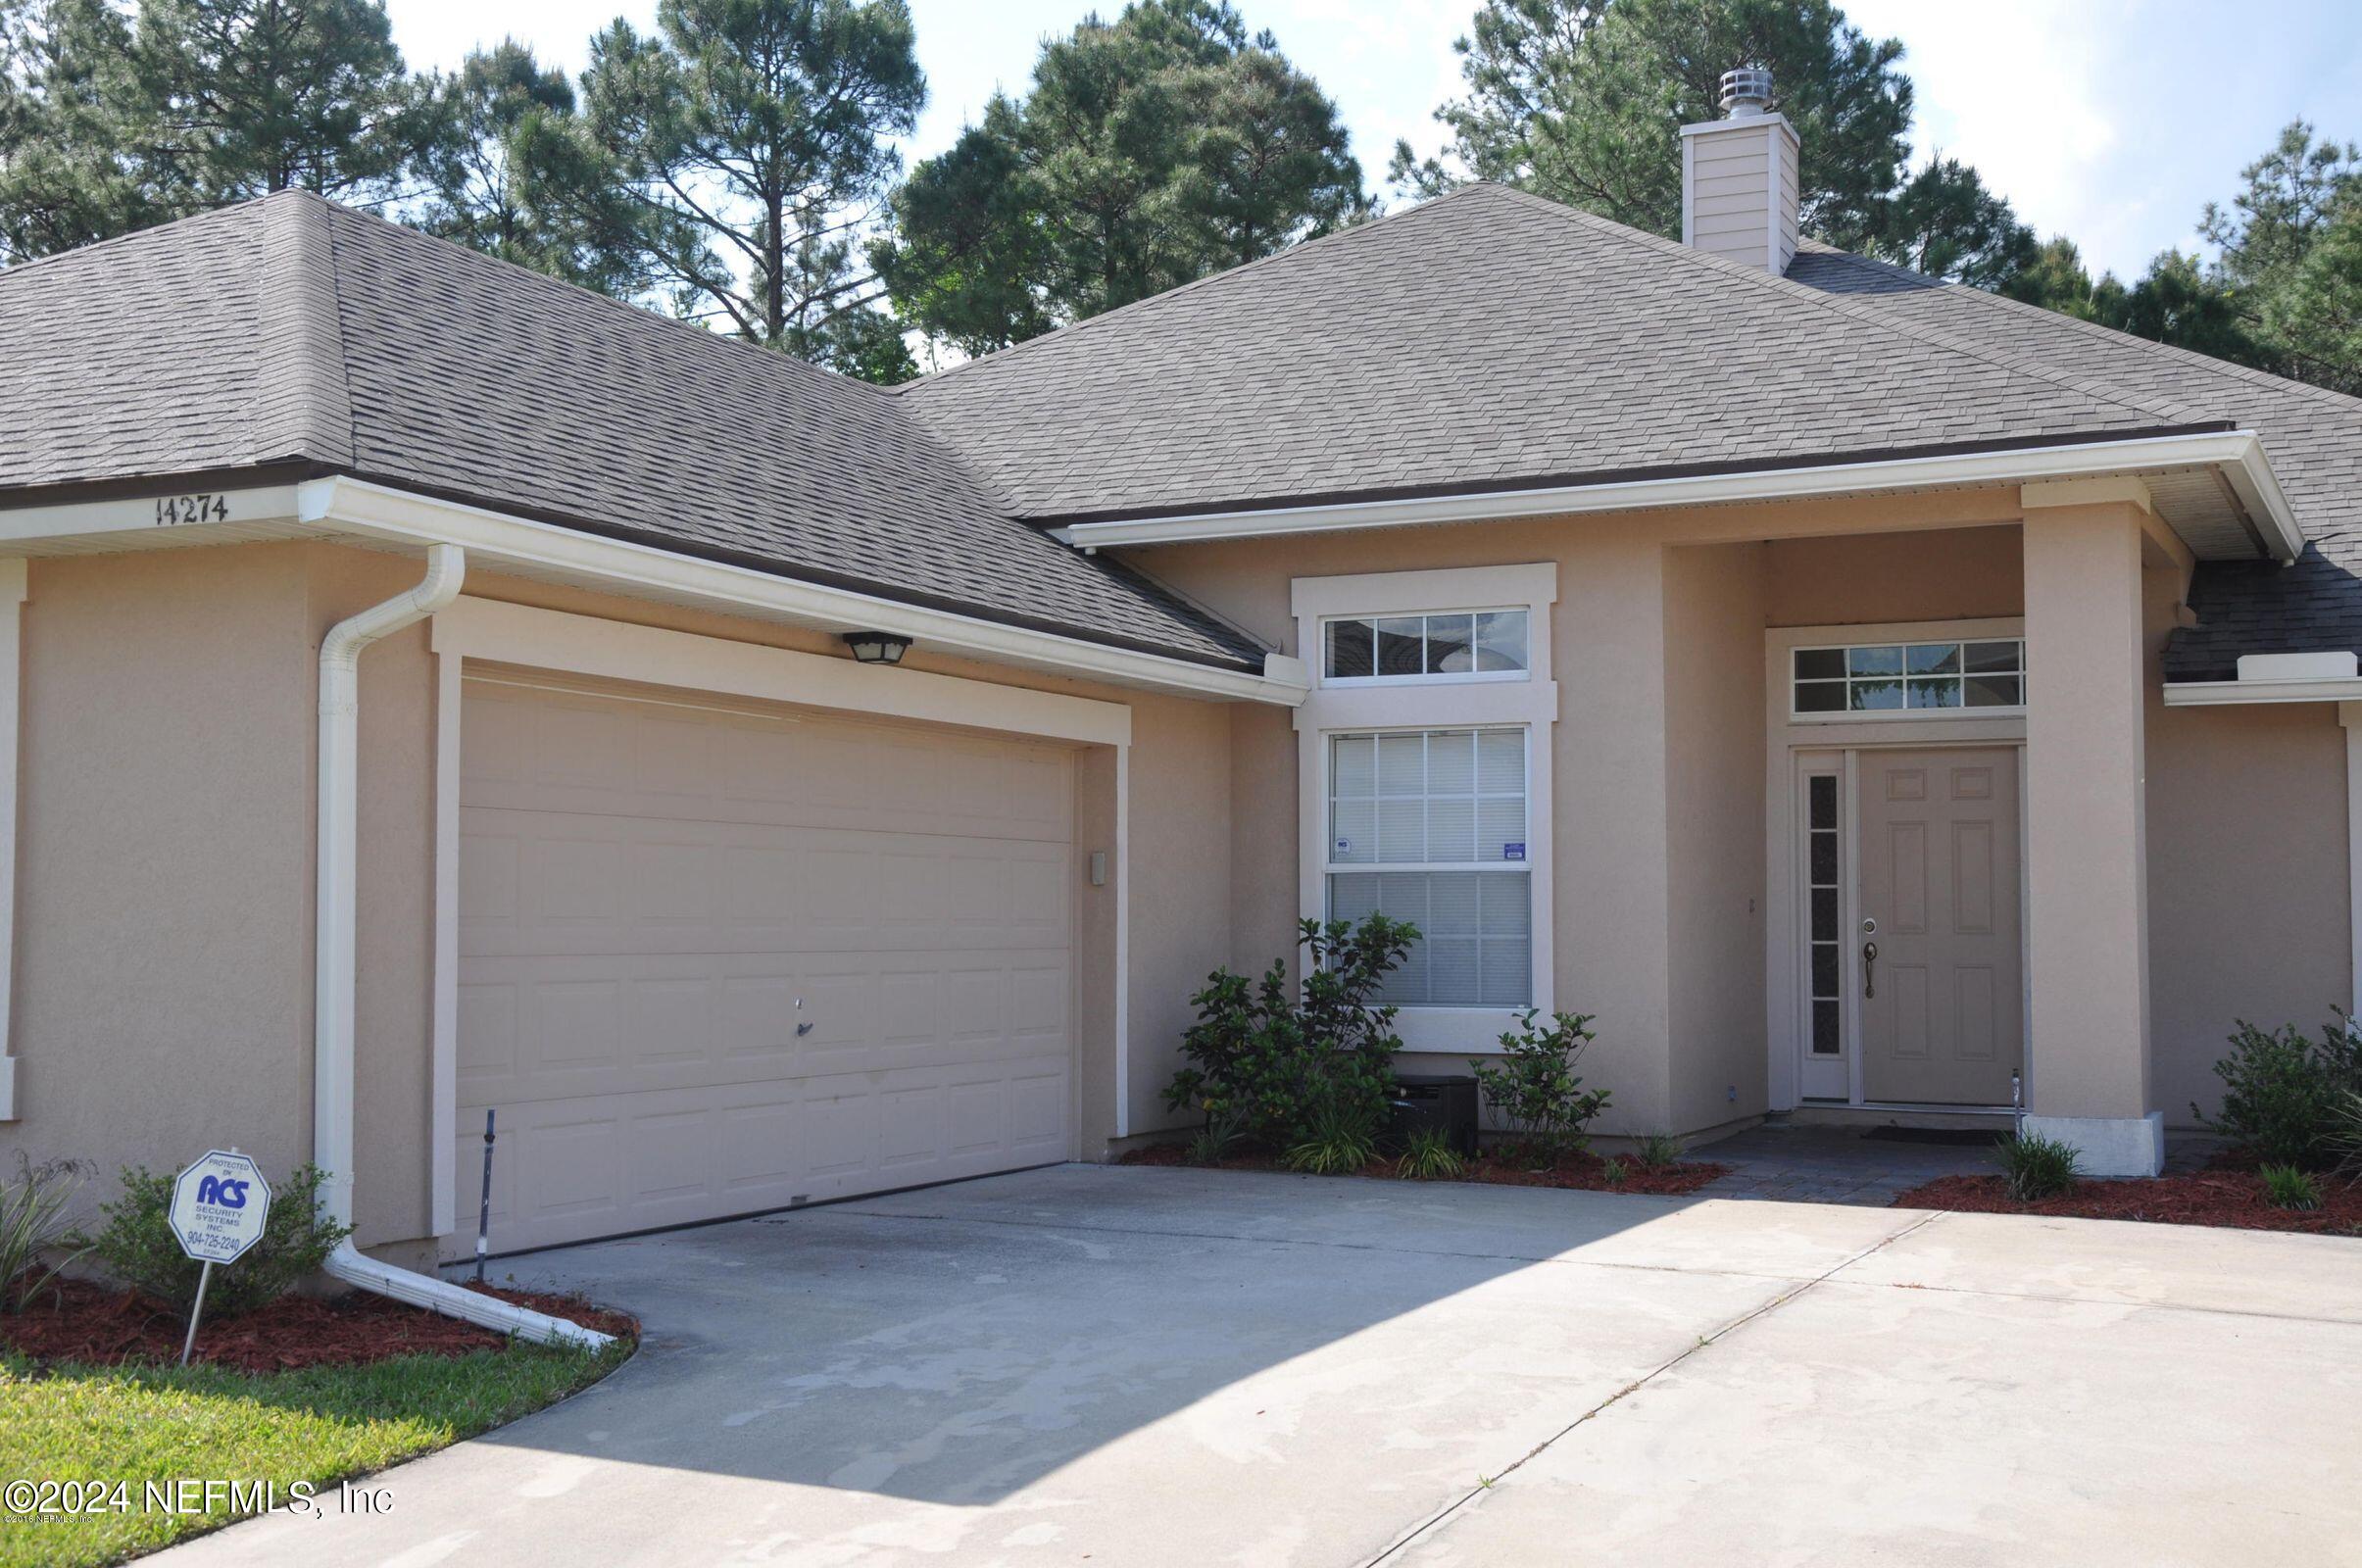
pixel 1746 92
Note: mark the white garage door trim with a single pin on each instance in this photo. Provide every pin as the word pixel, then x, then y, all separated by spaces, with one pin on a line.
pixel 585 645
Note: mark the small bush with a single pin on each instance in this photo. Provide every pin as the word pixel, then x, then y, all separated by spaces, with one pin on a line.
pixel 1534 1086
pixel 1341 1138
pixel 138 1248
pixel 1269 1057
pixel 36 1242
pixel 1213 1143
pixel 2282 1092
pixel 1613 1172
pixel 2286 1186
pixel 1428 1157
pixel 1657 1151
pixel 2037 1168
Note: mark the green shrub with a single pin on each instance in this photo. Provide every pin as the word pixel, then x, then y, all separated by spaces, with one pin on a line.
pixel 1428 1157
pixel 1271 1057
pixel 2345 1128
pixel 138 1248
pixel 36 1242
pixel 1613 1172
pixel 2286 1186
pixel 1534 1087
pixel 2035 1168
pixel 1340 1139
pixel 1657 1151
pixel 2282 1093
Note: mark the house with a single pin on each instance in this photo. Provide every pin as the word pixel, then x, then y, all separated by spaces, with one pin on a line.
pixel 432 690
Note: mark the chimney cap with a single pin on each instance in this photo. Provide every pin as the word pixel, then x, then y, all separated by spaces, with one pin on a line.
pixel 1746 92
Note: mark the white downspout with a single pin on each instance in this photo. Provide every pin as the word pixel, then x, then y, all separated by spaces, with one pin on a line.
pixel 339 917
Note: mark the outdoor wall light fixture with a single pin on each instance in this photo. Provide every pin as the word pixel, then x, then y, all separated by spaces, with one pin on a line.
pixel 876 646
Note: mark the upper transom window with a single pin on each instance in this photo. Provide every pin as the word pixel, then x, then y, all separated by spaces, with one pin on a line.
pixel 1463 645
pixel 1910 677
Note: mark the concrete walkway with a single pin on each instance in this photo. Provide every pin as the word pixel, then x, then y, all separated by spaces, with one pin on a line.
pixel 1145 1367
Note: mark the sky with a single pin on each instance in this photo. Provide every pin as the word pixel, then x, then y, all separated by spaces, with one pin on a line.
pixel 2112 122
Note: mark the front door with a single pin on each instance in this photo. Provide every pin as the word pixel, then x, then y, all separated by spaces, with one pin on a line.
pixel 1939 962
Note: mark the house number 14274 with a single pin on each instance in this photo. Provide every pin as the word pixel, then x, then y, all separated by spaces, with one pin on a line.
pixel 172 510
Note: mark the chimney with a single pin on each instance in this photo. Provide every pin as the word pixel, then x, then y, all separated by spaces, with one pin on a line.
pixel 1739 178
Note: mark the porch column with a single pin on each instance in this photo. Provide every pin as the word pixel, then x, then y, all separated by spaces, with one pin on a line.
pixel 2086 871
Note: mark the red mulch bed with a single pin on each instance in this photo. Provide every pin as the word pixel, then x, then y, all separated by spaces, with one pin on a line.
pixel 105 1325
pixel 1584 1171
pixel 2215 1197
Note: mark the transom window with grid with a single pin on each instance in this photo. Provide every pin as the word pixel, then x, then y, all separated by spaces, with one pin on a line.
pixel 1910 677
pixel 1430 826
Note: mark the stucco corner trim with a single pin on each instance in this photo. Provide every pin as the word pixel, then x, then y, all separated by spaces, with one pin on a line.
pixel 13 588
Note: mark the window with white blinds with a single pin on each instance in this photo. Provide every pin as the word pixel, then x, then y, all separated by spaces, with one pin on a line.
pixel 1430 826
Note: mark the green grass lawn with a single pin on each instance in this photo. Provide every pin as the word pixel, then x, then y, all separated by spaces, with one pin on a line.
pixel 72 1423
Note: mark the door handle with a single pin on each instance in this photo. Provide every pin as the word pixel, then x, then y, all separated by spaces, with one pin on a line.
pixel 1869 970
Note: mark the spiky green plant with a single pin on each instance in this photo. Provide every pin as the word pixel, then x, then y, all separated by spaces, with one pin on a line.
pixel 2035 1168
pixel 2286 1186
pixel 34 1240
pixel 1428 1157
pixel 1658 1151
pixel 1339 1138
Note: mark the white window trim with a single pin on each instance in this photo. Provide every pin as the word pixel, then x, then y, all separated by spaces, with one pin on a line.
pixel 1791 1075
pixel 1471 702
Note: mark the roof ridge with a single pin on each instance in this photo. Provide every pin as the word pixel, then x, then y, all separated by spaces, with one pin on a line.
pixel 116 241
pixel 2171 412
pixel 305 409
pixel 1001 356
pixel 2149 345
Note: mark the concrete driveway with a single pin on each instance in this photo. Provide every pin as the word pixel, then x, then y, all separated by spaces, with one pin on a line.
pixel 1172 1367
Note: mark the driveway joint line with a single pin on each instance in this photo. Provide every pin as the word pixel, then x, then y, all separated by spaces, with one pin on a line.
pixel 1704 1342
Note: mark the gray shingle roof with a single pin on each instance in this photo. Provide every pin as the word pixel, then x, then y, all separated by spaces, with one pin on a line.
pixel 293 332
pixel 1485 341
pixel 2312 437
pixel 1489 338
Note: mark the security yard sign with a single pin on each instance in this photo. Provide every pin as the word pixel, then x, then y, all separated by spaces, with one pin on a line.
pixel 219 1205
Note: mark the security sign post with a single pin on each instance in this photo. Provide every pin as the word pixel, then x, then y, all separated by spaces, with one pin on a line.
pixel 219 1205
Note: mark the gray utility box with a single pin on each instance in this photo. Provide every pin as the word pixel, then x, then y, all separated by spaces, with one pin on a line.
pixel 1447 1101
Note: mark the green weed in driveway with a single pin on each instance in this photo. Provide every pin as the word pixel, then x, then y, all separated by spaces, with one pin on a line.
pixel 67 1424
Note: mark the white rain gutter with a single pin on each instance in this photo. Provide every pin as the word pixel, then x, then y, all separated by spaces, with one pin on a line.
pixel 2238 455
pixel 337 919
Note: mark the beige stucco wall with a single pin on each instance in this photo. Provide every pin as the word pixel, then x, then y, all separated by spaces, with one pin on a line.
pixel 165 906
pixel 2247 885
pixel 1658 753
pixel 162 987
pixel 164 925
pixel 1946 574
pixel 1715 607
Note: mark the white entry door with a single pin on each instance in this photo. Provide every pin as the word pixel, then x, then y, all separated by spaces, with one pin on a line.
pixel 713 962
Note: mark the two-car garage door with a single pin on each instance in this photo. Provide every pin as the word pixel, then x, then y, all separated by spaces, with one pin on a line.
pixel 714 961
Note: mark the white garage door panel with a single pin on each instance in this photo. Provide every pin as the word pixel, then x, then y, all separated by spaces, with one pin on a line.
pixel 644 899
